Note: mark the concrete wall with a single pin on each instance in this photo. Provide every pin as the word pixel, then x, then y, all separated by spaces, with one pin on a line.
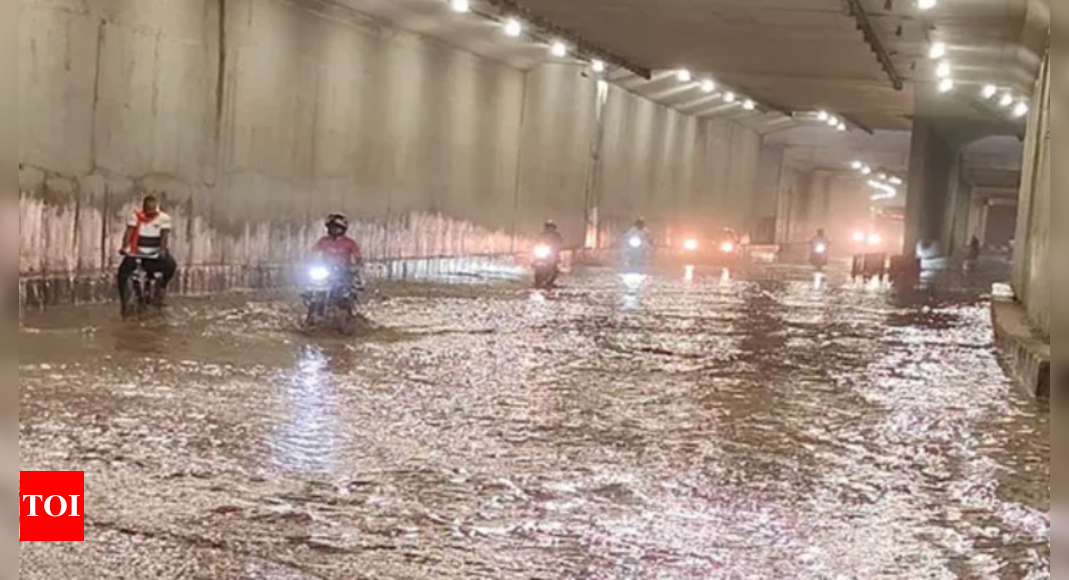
pixel 254 118
pixel 1032 264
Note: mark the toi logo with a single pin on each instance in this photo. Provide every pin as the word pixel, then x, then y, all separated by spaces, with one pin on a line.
pixel 52 506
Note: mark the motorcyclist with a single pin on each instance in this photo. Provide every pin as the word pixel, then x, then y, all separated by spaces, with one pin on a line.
pixel 551 237
pixel 974 249
pixel 147 238
pixel 820 238
pixel 640 232
pixel 339 250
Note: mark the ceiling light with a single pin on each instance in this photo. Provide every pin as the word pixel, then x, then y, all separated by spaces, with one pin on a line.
pixel 866 170
pixel 730 97
pixel 559 49
pixel 460 6
pixel 989 91
pixel 896 181
pixel 943 71
pixel 1006 100
pixel 708 86
pixel 857 165
pixel 749 105
pixel 823 116
pixel 833 121
pixel 684 76
pixel 946 85
pixel 938 51
pixel 842 126
pixel 513 27
pixel 1021 109
pixel 926 4
pixel 883 176
pixel 597 66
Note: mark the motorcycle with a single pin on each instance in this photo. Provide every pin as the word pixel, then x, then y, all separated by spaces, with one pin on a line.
pixel 145 289
pixel 636 253
pixel 818 257
pixel 329 295
pixel 546 267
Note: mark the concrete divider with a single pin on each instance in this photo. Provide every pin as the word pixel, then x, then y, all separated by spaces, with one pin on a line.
pixel 1024 352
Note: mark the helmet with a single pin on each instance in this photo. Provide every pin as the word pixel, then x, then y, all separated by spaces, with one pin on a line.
pixel 338 221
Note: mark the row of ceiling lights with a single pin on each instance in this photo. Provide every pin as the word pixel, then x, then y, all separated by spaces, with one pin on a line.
pixel 945 72
pixel 514 28
pixel 884 183
pixel 709 86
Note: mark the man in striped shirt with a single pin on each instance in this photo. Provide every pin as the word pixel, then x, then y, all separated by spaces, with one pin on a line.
pixel 147 238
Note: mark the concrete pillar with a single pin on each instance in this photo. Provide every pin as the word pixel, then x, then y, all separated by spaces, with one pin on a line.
pixel 934 178
pixel 765 203
pixel 1032 251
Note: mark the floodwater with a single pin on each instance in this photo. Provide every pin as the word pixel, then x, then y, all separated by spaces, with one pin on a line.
pixel 691 426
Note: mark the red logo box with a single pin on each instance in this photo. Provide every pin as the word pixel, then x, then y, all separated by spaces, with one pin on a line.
pixel 52 506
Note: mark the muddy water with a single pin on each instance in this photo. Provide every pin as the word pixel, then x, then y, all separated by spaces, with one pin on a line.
pixel 697 427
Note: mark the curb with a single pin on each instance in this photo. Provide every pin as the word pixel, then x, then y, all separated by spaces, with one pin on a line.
pixel 1024 352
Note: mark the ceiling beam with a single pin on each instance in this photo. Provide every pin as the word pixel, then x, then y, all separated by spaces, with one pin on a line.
pixel 864 24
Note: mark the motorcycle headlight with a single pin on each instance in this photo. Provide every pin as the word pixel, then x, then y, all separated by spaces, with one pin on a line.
pixel 875 240
pixel 821 248
pixel 636 242
pixel 319 274
pixel 690 245
pixel 727 247
pixel 543 252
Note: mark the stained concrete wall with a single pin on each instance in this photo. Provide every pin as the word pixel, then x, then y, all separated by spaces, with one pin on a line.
pixel 1032 264
pixel 254 118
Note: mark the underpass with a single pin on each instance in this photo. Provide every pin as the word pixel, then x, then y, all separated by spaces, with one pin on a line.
pixel 698 423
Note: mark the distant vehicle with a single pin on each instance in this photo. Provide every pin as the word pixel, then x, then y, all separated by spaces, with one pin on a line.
pixel 724 248
pixel 818 255
pixel 546 267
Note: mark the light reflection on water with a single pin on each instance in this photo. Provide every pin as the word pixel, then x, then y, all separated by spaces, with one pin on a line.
pixel 762 427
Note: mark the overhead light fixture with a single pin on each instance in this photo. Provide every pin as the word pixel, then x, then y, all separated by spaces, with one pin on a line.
pixel 708 86
pixel 842 126
pixel 866 170
pixel 749 105
pixel 823 116
pixel 684 76
pixel 833 121
pixel 1021 109
pixel 926 4
pixel 513 27
pixel 1006 100
pixel 943 71
pixel 559 49
pixel 946 85
pixel 989 91
pixel 857 165
pixel 938 51
pixel 896 181
pixel 460 6
pixel 730 97
pixel 597 66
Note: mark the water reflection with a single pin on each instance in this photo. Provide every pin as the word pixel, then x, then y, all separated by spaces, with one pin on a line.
pixel 751 429
pixel 307 439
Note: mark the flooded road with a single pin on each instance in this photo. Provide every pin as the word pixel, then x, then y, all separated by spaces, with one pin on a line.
pixel 689 427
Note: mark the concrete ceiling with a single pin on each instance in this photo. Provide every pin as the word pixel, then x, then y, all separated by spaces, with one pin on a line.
pixel 793 56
